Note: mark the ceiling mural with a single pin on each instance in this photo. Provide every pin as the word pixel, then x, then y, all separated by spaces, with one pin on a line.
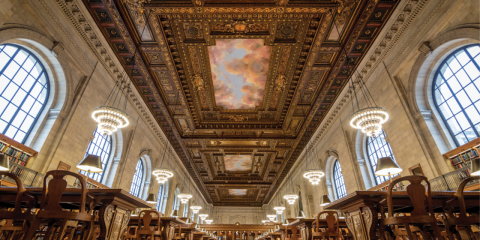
pixel 237 192
pixel 238 162
pixel 239 72
pixel 239 88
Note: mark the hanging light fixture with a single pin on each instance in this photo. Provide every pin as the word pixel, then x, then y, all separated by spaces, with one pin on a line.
pixel 279 209
pixel 369 119
pixel 290 197
pixel 203 216
pixel 325 200
pixel 163 174
pixel 271 217
pixel 195 209
pixel 300 214
pixel 285 222
pixel 208 221
pixel 313 175
pixel 184 197
pixel 151 198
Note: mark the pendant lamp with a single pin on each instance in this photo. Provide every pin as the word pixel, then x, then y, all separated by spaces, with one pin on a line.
pixel 386 167
pixel 4 163
pixel 325 200
pixel 151 198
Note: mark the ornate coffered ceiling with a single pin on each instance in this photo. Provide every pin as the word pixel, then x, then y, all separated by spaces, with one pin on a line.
pixel 237 143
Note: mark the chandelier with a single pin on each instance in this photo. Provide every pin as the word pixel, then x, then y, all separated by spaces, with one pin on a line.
pixel 184 197
pixel 208 221
pixel 195 209
pixel 370 120
pixel 314 176
pixel 162 174
pixel 203 216
pixel 109 119
pixel 271 217
pixel 290 198
pixel 279 209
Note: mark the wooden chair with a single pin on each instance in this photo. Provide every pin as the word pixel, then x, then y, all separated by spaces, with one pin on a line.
pixel 333 226
pixel 419 216
pixel 291 233
pixel 453 221
pixel 52 213
pixel 17 221
pixel 146 228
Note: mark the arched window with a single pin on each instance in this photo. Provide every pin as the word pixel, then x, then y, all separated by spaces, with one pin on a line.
pixel 339 182
pixel 185 209
pixel 378 147
pixel 456 92
pixel 24 89
pixel 137 179
pixel 101 145
pixel 158 206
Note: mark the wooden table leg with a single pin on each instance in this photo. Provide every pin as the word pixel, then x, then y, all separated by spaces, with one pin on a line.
pixel 113 221
pixel 363 222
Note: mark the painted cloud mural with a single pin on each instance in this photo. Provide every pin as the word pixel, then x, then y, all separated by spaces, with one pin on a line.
pixel 237 192
pixel 238 162
pixel 239 72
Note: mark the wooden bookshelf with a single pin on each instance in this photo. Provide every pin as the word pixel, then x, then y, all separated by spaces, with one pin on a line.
pixel 462 156
pixel 15 151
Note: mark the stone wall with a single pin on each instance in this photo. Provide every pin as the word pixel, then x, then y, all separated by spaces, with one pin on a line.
pixel 82 71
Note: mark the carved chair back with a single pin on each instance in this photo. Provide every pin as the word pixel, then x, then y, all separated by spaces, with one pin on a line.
pixel 461 200
pixel 52 193
pixel 18 220
pixel 333 223
pixel 417 194
pixel 145 220
pixel 291 232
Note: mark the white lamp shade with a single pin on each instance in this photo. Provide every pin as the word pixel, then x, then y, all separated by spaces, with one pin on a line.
pixel 386 166
pixel 91 163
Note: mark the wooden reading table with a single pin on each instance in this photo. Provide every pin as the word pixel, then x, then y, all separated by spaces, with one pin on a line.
pixel 362 208
pixel 114 205
pixel 305 225
pixel 169 224
pixel 198 235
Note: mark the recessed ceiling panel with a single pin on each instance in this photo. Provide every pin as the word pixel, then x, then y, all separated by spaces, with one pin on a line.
pixel 239 72
pixel 237 192
pixel 235 163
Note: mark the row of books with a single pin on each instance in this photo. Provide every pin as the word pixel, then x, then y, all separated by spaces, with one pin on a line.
pixel 464 175
pixel 14 154
pixel 461 165
pixel 466 156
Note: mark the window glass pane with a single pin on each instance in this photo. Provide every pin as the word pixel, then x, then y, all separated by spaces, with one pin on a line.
pixel 454 85
pixel 472 70
pixel 454 65
pixel 473 50
pixel 463 78
pixel 339 181
pixel 463 99
pixel 137 179
pixel 20 57
pixel 10 50
pixel 462 57
pixel 17 63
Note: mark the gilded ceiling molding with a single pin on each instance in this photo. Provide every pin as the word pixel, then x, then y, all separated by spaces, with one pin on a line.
pixel 400 25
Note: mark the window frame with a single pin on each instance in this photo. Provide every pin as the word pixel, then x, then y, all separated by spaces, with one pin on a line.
pixel 158 205
pixel 337 175
pixel 454 95
pixel 137 178
pixel 376 178
pixel 47 87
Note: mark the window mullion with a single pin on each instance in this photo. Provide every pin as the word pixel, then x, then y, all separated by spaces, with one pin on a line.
pixel 454 95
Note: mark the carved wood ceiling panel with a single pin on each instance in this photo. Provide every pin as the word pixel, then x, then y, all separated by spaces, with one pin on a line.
pixel 165 49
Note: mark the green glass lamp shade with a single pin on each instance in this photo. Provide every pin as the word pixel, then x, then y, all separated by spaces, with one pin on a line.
pixel 475 170
pixel 325 200
pixel 386 166
pixel 4 163
pixel 151 198
pixel 91 163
